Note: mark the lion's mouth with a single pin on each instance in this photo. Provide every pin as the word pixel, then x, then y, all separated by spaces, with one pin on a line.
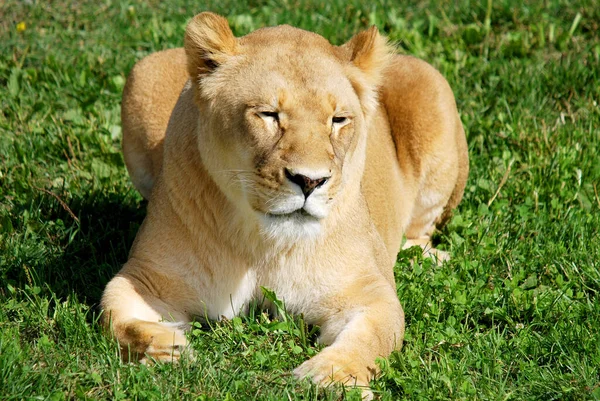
pixel 296 214
pixel 292 226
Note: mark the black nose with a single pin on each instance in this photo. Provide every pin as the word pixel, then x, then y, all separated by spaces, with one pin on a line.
pixel 306 184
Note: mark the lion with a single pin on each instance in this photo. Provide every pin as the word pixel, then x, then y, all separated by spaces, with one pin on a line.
pixel 279 160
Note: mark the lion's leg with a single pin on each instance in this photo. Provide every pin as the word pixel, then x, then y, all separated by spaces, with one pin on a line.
pixel 369 323
pixel 429 206
pixel 144 325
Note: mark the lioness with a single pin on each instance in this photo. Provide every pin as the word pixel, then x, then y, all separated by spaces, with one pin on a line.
pixel 287 163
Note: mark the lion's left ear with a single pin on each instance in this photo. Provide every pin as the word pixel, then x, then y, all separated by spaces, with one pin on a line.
pixel 370 54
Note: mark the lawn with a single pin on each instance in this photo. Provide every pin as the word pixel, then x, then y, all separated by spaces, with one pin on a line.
pixel 515 315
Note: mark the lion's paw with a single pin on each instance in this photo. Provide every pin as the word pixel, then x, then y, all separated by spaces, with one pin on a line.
pixel 157 342
pixel 438 256
pixel 329 368
pixel 167 354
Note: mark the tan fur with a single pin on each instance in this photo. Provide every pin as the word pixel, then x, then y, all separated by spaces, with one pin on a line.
pixel 222 218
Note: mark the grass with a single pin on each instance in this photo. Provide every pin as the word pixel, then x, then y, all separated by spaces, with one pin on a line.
pixel 515 315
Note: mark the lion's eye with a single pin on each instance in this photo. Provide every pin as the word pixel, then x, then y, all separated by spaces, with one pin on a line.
pixel 269 114
pixel 339 120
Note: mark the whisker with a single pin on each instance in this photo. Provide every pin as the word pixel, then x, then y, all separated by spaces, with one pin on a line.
pixel 246 179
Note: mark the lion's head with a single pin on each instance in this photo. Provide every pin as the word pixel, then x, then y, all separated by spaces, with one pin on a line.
pixel 283 118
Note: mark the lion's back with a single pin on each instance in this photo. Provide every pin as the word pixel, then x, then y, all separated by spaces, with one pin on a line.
pixel 152 89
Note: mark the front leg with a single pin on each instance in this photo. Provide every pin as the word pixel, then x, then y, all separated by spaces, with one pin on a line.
pixel 145 325
pixel 368 323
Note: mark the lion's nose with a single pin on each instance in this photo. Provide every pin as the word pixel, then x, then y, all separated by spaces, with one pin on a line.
pixel 306 184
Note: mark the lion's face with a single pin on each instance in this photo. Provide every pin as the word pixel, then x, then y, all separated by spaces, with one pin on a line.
pixel 286 126
pixel 283 127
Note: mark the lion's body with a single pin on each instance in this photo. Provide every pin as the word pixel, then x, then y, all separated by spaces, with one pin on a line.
pixel 199 253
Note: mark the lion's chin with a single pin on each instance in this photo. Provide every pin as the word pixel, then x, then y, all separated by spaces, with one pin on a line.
pixel 291 227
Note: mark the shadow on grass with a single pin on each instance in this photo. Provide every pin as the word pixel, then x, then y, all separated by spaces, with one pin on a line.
pixel 73 258
pixel 108 225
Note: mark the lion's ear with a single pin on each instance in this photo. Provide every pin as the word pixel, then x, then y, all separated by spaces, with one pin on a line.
pixel 208 43
pixel 370 53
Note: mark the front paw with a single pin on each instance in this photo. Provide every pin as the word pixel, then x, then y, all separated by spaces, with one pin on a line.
pixel 330 367
pixel 149 342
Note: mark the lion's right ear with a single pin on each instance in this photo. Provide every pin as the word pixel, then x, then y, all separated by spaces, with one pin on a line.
pixel 370 54
pixel 208 43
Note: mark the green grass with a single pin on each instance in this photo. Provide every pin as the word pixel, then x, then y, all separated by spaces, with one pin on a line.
pixel 515 315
